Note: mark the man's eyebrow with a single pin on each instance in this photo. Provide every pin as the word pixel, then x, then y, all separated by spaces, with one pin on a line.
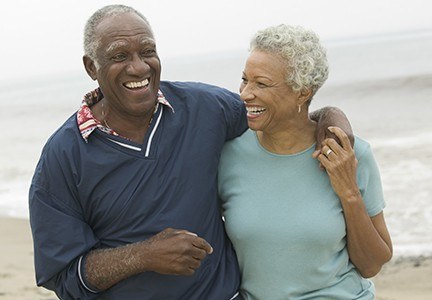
pixel 118 44
pixel 115 45
pixel 147 41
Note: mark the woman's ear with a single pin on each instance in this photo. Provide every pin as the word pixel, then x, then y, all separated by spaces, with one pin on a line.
pixel 304 96
pixel 90 67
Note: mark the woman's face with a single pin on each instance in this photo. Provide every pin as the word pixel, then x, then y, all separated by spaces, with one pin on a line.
pixel 271 104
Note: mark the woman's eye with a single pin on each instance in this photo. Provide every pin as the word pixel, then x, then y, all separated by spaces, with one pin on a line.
pixel 261 85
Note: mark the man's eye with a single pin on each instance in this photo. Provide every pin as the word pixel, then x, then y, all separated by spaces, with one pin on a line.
pixel 148 52
pixel 119 57
pixel 261 85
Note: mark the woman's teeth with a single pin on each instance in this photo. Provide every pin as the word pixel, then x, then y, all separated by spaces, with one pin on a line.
pixel 255 110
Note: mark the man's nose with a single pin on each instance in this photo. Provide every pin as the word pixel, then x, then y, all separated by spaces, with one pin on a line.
pixel 137 66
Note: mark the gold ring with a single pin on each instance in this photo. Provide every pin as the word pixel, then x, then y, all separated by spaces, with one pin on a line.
pixel 328 152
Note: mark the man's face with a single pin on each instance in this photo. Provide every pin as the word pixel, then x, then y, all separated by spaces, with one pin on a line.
pixel 129 67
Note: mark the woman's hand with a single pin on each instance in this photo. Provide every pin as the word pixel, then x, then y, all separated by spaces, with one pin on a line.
pixel 368 240
pixel 340 163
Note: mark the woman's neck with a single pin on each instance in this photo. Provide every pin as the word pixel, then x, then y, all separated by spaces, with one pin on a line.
pixel 291 140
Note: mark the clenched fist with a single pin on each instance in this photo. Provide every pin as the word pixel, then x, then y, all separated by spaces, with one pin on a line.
pixel 175 252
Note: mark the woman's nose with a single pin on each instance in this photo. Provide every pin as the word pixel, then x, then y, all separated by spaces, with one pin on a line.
pixel 246 92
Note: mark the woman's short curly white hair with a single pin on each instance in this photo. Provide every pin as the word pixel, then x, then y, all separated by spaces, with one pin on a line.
pixel 306 61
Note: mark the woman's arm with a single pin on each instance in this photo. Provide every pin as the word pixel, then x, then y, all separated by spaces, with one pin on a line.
pixel 368 240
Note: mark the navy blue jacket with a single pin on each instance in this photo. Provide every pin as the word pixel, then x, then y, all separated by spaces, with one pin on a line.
pixel 100 194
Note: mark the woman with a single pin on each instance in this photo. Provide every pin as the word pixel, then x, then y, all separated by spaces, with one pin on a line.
pixel 299 232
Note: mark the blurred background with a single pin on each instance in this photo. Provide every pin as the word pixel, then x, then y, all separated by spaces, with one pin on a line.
pixel 381 76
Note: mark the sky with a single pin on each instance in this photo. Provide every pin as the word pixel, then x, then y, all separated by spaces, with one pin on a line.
pixel 45 37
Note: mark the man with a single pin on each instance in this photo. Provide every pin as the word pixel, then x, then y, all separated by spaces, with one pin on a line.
pixel 123 203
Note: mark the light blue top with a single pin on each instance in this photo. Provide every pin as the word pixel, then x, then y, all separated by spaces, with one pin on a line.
pixel 287 224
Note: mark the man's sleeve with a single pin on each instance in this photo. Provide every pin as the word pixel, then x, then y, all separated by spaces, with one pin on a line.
pixel 235 115
pixel 60 234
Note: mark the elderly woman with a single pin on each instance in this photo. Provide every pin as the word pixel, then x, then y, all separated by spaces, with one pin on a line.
pixel 299 232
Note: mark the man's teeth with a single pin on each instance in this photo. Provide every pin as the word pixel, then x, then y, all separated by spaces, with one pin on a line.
pixel 138 84
pixel 255 110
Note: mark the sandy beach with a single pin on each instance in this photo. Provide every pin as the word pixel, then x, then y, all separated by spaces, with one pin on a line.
pixel 401 279
pixel 17 279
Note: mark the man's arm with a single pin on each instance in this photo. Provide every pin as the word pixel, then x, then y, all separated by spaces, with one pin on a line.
pixel 60 237
pixel 65 245
pixel 173 252
pixel 330 116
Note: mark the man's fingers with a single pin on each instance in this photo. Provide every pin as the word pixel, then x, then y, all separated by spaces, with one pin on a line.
pixel 199 242
pixel 343 138
pixel 195 264
pixel 190 233
pixel 331 135
pixel 203 244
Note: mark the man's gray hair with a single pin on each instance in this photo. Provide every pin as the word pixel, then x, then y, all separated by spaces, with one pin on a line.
pixel 306 61
pixel 91 43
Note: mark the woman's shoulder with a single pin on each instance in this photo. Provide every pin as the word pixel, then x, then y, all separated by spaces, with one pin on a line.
pixel 361 146
pixel 245 138
pixel 364 153
pixel 240 143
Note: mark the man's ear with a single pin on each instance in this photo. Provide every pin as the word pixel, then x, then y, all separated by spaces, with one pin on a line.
pixel 90 67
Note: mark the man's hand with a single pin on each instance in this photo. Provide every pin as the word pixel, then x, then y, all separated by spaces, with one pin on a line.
pixel 175 252
pixel 171 251
pixel 327 117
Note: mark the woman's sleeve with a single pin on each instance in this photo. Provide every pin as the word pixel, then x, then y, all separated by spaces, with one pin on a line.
pixel 369 181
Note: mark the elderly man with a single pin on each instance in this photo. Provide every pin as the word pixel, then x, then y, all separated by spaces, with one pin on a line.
pixel 123 202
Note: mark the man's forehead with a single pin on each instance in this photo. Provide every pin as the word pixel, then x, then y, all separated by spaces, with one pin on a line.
pixel 124 24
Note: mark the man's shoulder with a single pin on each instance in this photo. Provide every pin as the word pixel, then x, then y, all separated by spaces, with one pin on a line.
pixel 192 85
pixel 64 136
pixel 195 88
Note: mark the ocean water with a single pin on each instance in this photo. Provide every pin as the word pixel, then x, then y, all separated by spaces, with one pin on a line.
pixel 383 84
